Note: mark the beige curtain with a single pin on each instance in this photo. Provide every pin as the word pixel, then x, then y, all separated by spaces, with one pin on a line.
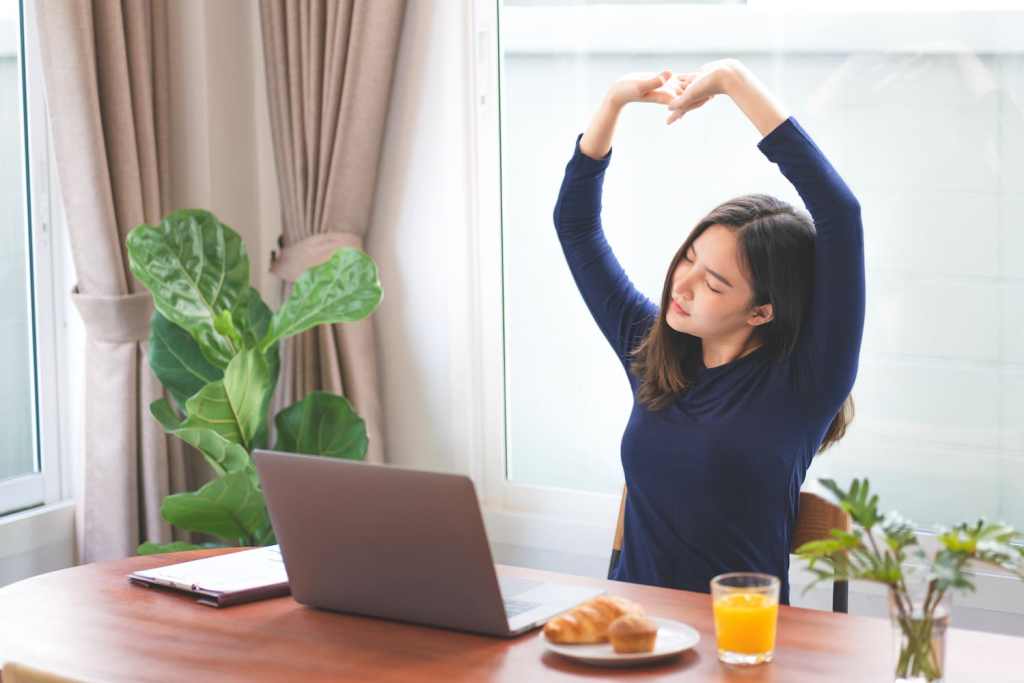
pixel 329 68
pixel 105 72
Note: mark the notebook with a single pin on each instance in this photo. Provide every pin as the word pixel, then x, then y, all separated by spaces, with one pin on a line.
pixel 223 580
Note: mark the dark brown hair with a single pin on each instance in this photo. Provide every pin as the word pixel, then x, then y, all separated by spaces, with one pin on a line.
pixel 776 253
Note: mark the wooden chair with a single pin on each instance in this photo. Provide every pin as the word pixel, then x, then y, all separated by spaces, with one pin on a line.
pixel 815 519
pixel 13 672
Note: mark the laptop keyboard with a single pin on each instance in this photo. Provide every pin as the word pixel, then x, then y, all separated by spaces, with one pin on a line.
pixel 516 607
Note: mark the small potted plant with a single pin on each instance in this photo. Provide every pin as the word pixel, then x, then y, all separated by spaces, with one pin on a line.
pixel 918 596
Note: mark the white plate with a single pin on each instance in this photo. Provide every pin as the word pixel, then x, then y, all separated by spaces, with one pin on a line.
pixel 673 638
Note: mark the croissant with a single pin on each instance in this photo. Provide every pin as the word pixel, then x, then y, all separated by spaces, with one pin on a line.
pixel 589 621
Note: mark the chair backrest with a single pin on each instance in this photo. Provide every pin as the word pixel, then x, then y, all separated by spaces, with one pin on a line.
pixel 816 518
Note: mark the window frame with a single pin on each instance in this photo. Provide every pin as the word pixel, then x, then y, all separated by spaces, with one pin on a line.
pixel 50 484
pixel 551 519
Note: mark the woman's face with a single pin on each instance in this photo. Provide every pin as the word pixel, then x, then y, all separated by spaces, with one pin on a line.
pixel 712 292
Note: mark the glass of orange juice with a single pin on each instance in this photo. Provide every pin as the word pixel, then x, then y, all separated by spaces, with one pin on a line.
pixel 746 608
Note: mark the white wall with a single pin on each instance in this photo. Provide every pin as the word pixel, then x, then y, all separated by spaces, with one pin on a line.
pixel 418 235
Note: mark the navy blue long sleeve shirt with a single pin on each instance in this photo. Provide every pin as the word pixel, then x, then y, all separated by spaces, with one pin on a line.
pixel 714 478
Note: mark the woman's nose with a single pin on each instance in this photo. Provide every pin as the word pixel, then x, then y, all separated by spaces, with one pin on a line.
pixel 683 288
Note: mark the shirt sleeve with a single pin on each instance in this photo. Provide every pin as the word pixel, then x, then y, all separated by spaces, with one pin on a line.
pixel 828 346
pixel 622 313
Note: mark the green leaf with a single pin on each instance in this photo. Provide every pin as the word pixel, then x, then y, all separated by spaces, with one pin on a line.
pixel 195 267
pixel 819 548
pixel 223 455
pixel 252 319
pixel 260 439
pixel 265 535
pixel 247 386
pixel 148 548
pixel 322 424
pixel 899 533
pixel 176 360
pixel 992 543
pixel 223 323
pixel 230 507
pixel 947 568
pixel 343 289
pixel 211 409
pixel 863 510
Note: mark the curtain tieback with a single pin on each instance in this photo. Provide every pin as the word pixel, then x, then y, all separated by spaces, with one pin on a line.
pixel 115 319
pixel 288 263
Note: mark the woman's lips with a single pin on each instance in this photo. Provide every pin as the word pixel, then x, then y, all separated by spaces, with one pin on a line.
pixel 678 309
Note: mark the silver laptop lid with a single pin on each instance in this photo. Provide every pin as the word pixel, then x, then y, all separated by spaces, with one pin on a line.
pixel 383 541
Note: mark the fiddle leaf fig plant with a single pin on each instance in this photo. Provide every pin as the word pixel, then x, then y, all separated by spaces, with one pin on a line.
pixel 214 346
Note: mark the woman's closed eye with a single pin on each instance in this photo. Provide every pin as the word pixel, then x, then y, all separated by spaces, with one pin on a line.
pixel 716 291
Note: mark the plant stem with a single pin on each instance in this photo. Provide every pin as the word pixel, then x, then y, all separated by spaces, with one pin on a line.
pixel 925 609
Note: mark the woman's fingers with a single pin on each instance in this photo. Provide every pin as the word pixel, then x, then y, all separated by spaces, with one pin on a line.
pixel 658 80
pixel 681 101
pixel 687 95
pixel 673 117
pixel 694 88
pixel 678 113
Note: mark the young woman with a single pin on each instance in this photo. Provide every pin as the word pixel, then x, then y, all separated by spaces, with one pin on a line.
pixel 744 369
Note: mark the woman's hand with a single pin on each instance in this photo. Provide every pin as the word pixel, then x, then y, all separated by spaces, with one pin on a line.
pixel 733 78
pixel 655 88
pixel 701 85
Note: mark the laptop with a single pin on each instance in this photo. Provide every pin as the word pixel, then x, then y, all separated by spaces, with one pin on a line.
pixel 397 543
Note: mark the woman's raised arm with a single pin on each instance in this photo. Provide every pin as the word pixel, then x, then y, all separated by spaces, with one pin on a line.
pixel 620 311
pixel 829 343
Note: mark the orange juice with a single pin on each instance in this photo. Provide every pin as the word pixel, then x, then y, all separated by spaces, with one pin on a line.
pixel 745 622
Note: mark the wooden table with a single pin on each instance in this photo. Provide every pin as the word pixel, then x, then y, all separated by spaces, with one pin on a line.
pixel 89 622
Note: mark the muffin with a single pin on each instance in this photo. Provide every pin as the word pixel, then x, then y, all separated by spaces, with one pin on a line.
pixel 632 633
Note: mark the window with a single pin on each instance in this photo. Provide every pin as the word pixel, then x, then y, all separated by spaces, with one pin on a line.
pixel 29 467
pixel 924 120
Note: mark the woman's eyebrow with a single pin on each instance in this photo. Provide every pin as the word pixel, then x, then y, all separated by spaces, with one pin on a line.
pixel 719 276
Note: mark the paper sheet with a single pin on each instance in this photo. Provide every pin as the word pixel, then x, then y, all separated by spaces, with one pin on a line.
pixel 226 573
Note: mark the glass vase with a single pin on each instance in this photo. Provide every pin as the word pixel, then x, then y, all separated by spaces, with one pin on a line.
pixel 918 639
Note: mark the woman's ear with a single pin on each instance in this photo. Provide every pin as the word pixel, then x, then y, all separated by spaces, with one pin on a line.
pixel 761 315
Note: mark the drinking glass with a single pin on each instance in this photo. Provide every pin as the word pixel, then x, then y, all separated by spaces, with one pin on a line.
pixel 746 610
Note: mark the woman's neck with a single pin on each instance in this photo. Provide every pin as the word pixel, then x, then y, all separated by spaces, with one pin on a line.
pixel 725 352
